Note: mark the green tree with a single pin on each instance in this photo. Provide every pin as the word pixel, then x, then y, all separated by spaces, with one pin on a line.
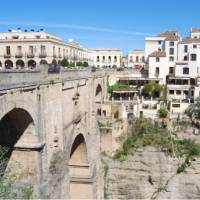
pixel 85 64
pixel 116 86
pixel 64 62
pixel 79 64
pixel 157 90
pixel 9 186
pixel 147 89
pixel 193 112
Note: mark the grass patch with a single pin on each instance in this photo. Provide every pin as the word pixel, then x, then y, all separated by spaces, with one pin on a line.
pixel 148 133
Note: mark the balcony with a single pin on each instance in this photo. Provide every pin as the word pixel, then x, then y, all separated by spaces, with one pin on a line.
pixel 30 55
pixel 7 55
pixel 42 55
pixel 19 55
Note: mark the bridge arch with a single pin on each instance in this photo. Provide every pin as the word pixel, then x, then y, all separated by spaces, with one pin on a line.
pixel 78 153
pixel 98 93
pixel 18 136
pixel 80 170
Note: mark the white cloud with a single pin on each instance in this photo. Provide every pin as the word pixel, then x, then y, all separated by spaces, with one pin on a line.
pixel 77 27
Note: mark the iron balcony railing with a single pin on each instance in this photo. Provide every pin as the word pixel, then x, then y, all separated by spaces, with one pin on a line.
pixel 30 55
pixel 7 55
pixel 42 55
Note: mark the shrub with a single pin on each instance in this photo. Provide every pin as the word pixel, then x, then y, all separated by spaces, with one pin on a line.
pixel 85 64
pixel 64 62
pixel 163 112
pixel 79 64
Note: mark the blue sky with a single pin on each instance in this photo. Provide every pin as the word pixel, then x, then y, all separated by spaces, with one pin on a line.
pixel 102 23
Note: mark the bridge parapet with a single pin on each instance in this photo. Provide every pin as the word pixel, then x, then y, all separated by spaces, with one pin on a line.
pixel 24 77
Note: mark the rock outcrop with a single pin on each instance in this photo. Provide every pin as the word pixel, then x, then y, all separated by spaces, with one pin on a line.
pixel 151 174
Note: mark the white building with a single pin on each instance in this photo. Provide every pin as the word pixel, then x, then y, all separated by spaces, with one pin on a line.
pixel 136 59
pixel 107 57
pixel 22 49
pixel 161 54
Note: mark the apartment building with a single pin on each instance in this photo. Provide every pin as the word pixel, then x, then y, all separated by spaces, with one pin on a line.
pixel 161 54
pixel 136 59
pixel 107 57
pixel 27 49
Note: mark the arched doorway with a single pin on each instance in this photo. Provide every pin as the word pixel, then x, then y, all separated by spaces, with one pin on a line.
pixel 17 132
pixel 31 64
pixel 8 64
pixel 54 62
pixel 79 170
pixel 20 64
pixel 43 62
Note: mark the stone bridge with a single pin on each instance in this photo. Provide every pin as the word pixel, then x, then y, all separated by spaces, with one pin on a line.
pixel 48 121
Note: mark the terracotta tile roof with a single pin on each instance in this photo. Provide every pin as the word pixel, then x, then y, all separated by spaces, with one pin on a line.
pixel 189 40
pixel 158 54
pixel 195 30
pixel 170 35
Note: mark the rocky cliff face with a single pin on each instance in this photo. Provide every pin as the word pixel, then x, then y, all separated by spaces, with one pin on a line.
pixel 151 174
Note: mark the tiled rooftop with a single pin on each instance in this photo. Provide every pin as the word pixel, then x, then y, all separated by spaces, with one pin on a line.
pixel 158 54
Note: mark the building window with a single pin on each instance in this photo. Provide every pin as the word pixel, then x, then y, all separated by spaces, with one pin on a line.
pixel 171 91
pixel 193 57
pixel 157 59
pixel 171 51
pixel 171 58
pixel 115 58
pixel 185 70
pixel 109 58
pixel 159 42
pixel 159 49
pixel 194 46
pixel 103 58
pixel 171 70
pixel 185 58
pixel 157 72
pixel 54 51
pixel 178 92
pixel 97 58
pixel 8 50
pixel 171 44
pixel 185 48
pixel 137 59
pixel 143 60
pixel 31 49
pixel 19 49
pixel 43 50
pixel 131 59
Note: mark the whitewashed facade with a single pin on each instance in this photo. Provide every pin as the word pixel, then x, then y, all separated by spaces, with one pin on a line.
pixel 27 49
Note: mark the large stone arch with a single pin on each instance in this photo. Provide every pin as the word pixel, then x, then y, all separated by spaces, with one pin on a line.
pixel 19 138
pixel 80 170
